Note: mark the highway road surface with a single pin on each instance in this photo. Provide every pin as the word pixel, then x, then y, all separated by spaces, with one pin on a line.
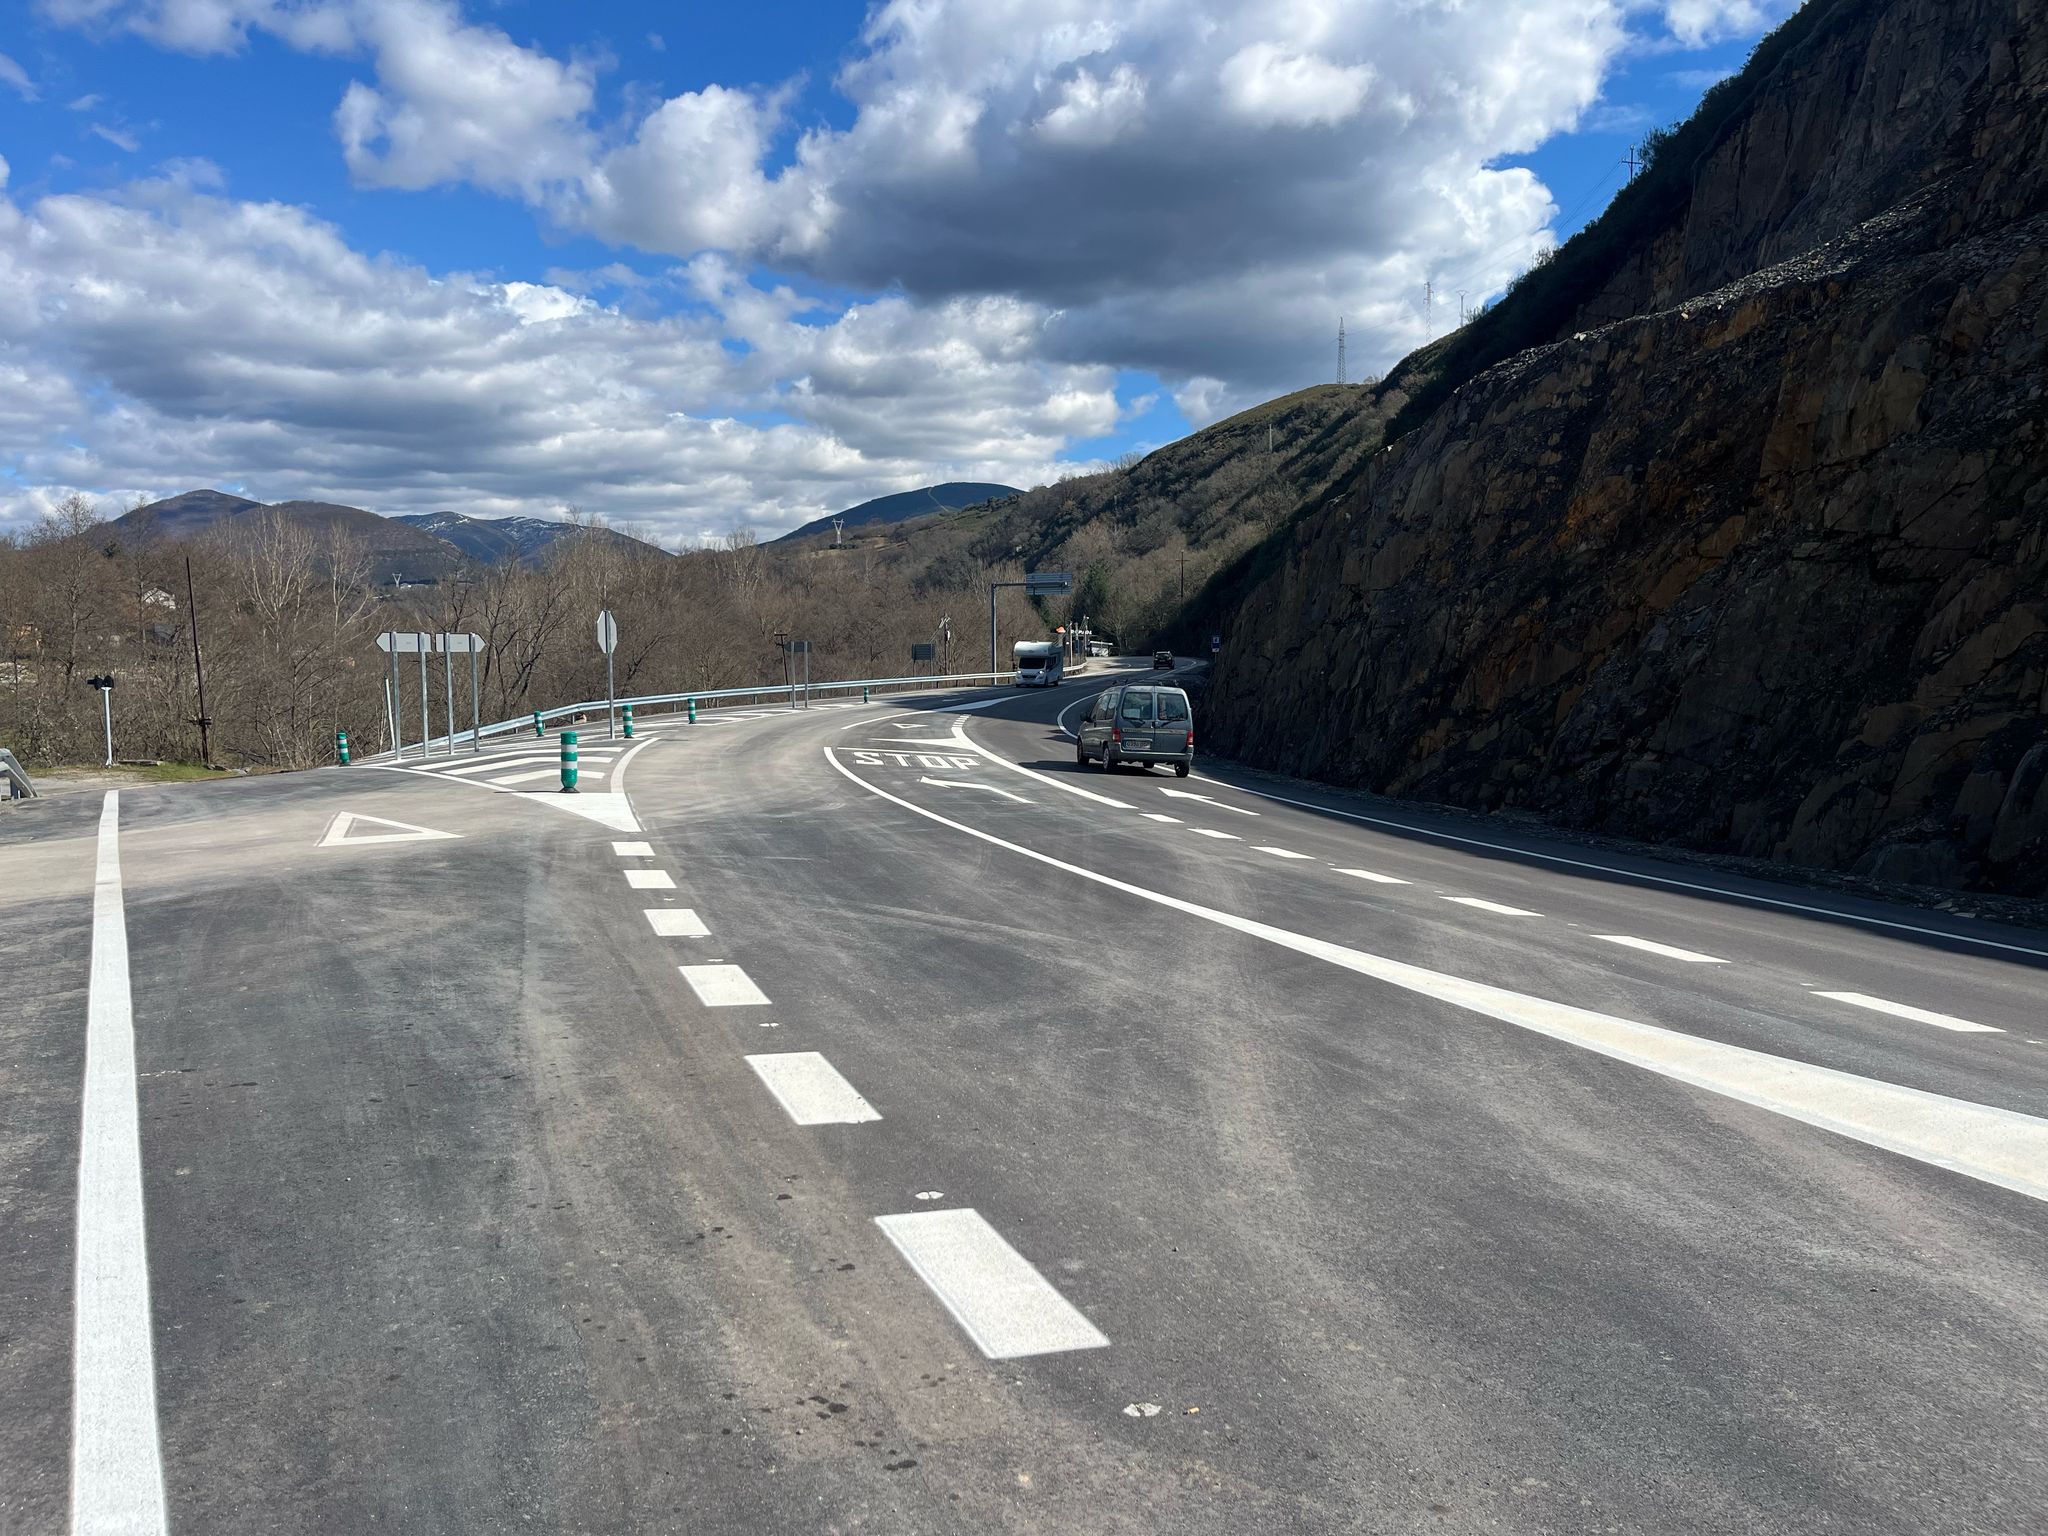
pixel 867 1120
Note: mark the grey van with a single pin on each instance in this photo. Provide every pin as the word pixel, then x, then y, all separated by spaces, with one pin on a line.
pixel 1141 724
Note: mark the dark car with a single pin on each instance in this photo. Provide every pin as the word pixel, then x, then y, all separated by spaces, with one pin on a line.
pixel 1162 659
pixel 1142 725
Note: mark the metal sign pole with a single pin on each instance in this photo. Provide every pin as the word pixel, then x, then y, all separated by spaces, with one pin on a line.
pixel 611 701
pixel 107 709
pixel 476 730
pixel 448 690
pixel 397 696
pixel 426 719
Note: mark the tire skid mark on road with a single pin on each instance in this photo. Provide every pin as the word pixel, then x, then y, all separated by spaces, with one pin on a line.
pixel 1643 946
pixel 1003 1304
pixel 1995 1146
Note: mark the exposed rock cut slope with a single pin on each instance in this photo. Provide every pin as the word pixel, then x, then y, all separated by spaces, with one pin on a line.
pixel 1762 564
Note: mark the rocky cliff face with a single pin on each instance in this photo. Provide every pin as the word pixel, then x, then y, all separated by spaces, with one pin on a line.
pixel 1764 566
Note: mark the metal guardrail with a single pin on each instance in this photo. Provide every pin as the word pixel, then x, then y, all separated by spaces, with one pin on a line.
pixel 15 777
pixel 710 698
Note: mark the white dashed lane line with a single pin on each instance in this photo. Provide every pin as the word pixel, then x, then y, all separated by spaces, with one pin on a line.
pixel 1668 951
pixel 650 880
pixel 1278 853
pixel 1492 906
pixel 723 986
pixel 1160 816
pixel 633 850
pixel 1005 1305
pixel 1366 874
pixel 547 773
pixel 811 1089
pixel 676 923
pixel 1228 837
pixel 1906 1011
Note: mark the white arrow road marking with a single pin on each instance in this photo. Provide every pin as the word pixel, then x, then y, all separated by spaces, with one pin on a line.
pixel 1183 794
pixel 961 738
pixel 1980 1141
pixel 340 830
pixel 970 784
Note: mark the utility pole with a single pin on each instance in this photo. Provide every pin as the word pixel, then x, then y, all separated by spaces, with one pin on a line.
pixel 1341 379
pixel 198 669
pixel 1461 306
pixel 838 531
pixel 1633 161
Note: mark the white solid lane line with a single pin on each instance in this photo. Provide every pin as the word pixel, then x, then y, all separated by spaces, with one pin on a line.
pixel 1366 874
pixel 117 1472
pixel 723 986
pixel 650 880
pixel 1492 906
pixel 676 923
pixel 1979 1141
pixel 1668 951
pixel 1005 1305
pixel 546 773
pixel 633 850
pixel 810 1088
pixel 1917 1015
pixel 1225 837
pixel 1279 853
pixel 1160 816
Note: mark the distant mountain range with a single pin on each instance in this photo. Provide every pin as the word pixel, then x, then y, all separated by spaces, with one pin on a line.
pixel 416 547
pixel 499 540
pixel 904 505
pixel 432 546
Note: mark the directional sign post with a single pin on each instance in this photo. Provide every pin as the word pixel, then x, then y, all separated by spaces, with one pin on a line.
pixel 608 641
pixel 404 642
pixel 452 646
pixel 1035 584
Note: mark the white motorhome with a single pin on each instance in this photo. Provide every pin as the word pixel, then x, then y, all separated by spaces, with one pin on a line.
pixel 1040 663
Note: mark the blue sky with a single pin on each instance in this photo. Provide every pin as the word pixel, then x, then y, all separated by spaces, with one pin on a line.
pixel 805 252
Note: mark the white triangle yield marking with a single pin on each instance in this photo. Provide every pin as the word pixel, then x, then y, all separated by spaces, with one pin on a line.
pixel 342 830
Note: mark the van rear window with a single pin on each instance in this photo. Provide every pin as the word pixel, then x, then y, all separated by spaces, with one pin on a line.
pixel 1173 706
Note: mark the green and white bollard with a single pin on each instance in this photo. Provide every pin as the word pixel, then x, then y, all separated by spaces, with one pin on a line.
pixel 693 711
pixel 865 697
pixel 539 729
pixel 341 747
pixel 627 711
pixel 568 762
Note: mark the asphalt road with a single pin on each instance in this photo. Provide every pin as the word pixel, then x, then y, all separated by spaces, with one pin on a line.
pixel 865 1119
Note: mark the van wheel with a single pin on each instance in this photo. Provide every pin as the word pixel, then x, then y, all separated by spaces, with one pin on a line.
pixel 1180 770
pixel 1080 754
pixel 1109 760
